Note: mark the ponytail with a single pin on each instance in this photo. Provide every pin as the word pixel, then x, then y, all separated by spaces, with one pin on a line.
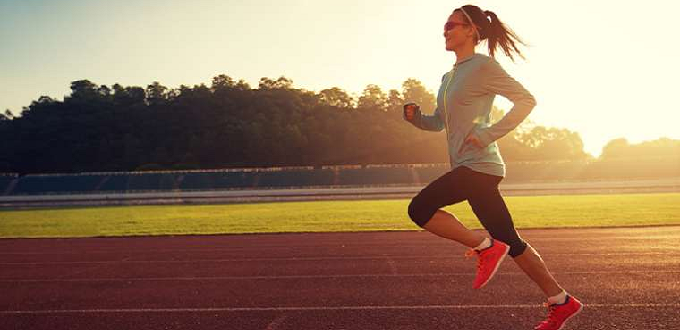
pixel 496 33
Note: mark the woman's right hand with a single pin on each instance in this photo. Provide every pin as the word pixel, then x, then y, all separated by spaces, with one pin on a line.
pixel 410 110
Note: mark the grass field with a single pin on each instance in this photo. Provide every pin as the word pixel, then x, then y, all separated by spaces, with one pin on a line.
pixel 528 212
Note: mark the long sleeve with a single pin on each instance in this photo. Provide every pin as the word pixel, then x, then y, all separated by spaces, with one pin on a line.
pixel 498 81
pixel 429 122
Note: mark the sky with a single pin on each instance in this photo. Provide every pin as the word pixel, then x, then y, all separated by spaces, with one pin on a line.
pixel 605 69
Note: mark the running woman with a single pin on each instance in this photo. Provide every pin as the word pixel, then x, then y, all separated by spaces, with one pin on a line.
pixel 463 106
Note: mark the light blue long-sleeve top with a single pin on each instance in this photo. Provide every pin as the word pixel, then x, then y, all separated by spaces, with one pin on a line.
pixel 464 103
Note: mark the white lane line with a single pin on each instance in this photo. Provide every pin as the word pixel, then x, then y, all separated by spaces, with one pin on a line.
pixel 321 308
pixel 288 277
pixel 447 256
pixel 226 260
pixel 426 245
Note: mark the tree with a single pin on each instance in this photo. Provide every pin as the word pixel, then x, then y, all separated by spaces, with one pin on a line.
pixel 104 91
pixel 224 82
pixel 336 97
pixel 156 94
pixel 372 98
pixel 395 102
pixel 615 148
pixel 229 124
pixel 84 90
pixel 660 148
pixel 414 91
pixel 7 115
pixel 137 94
pixel 127 96
pixel 281 83
pixel 549 143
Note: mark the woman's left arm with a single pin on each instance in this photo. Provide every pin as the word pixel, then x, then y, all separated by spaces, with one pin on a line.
pixel 499 82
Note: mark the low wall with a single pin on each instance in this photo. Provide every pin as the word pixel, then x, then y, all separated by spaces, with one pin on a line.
pixel 269 195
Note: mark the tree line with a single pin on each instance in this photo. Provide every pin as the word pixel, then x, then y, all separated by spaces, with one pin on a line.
pixel 229 124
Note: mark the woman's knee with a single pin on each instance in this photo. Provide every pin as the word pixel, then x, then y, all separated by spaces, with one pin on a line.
pixel 419 212
pixel 517 248
pixel 516 243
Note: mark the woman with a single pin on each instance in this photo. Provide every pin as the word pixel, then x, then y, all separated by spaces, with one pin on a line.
pixel 463 105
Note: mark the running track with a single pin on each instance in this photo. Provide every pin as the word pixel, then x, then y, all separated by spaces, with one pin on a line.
pixel 629 279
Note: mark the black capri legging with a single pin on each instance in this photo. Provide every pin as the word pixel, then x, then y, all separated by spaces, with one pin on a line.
pixel 481 191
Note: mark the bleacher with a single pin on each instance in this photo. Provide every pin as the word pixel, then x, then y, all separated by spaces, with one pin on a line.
pixel 296 178
pixel 327 176
pixel 545 171
pixel 642 168
pixel 56 184
pixel 6 180
pixel 427 173
pixel 372 176
pixel 139 181
pixel 212 180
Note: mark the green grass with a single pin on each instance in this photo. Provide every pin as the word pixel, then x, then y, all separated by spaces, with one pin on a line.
pixel 528 212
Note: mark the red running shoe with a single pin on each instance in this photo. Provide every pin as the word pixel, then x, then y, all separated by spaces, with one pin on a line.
pixel 560 313
pixel 488 261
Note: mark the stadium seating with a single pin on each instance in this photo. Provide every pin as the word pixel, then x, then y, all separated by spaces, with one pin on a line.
pixel 296 178
pixel 336 176
pixel 218 180
pixel 5 181
pixel 392 175
pixel 113 183
pixel 140 181
pixel 56 184
pixel 427 173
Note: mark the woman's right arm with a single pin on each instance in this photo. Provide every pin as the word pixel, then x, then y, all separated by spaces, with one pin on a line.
pixel 427 122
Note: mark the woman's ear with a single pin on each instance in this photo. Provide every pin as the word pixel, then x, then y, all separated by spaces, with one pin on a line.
pixel 471 32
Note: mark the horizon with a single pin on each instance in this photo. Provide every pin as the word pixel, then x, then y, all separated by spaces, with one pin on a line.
pixel 321 45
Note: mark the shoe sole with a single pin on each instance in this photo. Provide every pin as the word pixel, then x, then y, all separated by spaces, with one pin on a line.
pixel 498 264
pixel 570 316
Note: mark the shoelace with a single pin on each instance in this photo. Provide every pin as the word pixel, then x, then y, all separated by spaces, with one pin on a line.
pixel 552 316
pixel 471 253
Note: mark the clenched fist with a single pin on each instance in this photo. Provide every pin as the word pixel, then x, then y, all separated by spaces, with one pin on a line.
pixel 410 110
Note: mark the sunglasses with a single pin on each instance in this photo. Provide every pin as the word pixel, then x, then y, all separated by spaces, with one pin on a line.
pixel 452 25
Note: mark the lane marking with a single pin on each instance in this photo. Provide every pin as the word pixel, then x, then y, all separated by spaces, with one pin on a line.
pixel 339 244
pixel 323 308
pixel 288 277
pixel 448 256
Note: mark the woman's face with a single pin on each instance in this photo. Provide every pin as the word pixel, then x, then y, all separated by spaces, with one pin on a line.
pixel 458 31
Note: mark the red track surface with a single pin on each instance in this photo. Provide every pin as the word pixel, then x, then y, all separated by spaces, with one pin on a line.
pixel 628 279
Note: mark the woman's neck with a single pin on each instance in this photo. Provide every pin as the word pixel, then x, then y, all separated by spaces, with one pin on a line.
pixel 464 52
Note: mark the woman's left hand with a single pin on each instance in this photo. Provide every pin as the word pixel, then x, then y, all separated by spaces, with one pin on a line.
pixel 474 140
